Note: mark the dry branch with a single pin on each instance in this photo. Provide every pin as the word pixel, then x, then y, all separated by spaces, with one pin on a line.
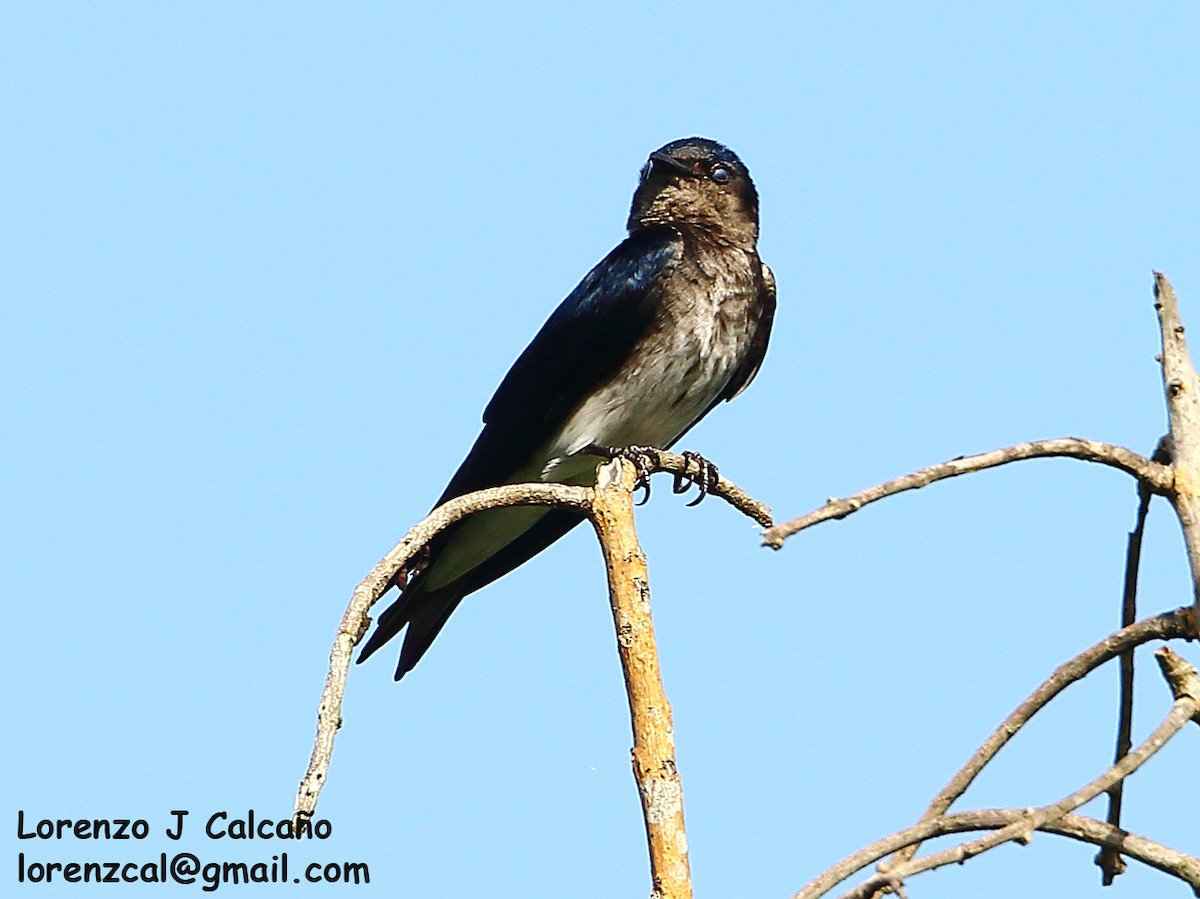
pixel 1182 678
pixel 654 765
pixel 355 621
pixel 1158 478
pixel 1079 827
pixel 724 488
pixel 1182 390
pixel 1185 686
pixel 1179 481
pixel 1108 859
pixel 610 508
pixel 1168 626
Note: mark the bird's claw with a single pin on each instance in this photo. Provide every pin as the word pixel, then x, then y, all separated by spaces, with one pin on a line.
pixel 645 459
pixel 705 478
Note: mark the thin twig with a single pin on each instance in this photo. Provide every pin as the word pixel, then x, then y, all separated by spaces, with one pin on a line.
pixel 654 765
pixel 1185 685
pixel 1158 478
pixel 1167 626
pixel 1079 827
pixel 723 488
pixel 355 622
pixel 1109 857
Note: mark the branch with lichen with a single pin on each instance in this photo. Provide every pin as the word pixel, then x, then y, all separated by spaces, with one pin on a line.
pixel 654 766
pixel 609 507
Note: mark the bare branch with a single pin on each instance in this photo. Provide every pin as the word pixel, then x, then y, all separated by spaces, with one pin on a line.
pixel 1182 389
pixel 1108 859
pixel 653 732
pixel 1180 482
pixel 610 508
pixel 1158 478
pixel 724 488
pixel 1079 827
pixel 1185 685
pixel 355 621
pixel 1182 678
pixel 1168 626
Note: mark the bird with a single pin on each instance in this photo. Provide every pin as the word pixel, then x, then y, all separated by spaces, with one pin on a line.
pixel 668 325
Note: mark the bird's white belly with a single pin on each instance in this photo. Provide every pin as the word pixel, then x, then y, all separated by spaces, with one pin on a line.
pixel 645 408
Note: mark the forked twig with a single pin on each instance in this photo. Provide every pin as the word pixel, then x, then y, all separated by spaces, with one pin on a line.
pixel 1185 688
pixel 1174 472
pixel 609 507
pixel 1168 626
pixel 1079 827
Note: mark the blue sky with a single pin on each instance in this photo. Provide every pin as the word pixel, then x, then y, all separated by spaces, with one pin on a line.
pixel 264 265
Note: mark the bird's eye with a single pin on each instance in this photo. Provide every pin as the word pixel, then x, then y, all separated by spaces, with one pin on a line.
pixel 720 174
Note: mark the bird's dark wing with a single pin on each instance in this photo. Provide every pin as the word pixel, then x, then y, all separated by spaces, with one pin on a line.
pixel 584 342
pixel 582 345
pixel 591 333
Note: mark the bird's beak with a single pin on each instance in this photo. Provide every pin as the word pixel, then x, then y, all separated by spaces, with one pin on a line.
pixel 659 158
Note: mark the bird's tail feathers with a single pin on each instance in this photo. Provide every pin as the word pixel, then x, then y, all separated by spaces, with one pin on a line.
pixel 425 613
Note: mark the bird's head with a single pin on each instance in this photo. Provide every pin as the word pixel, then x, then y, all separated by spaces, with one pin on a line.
pixel 697 182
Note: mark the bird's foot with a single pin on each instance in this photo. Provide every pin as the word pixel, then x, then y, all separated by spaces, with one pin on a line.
pixel 643 458
pixel 705 478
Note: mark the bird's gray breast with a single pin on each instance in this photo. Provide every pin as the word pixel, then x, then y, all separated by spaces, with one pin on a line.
pixel 699 336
